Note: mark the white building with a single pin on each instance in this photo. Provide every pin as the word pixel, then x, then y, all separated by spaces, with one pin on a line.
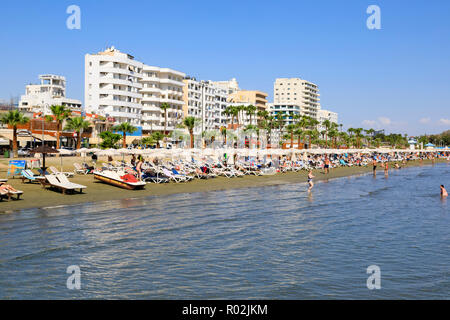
pixel 50 91
pixel 205 101
pixel 326 115
pixel 297 92
pixel 288 111
pixel 112 86
pixel 159 86
pixel 231 86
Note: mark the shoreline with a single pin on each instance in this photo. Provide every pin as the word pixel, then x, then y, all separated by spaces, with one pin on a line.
pixel 36 197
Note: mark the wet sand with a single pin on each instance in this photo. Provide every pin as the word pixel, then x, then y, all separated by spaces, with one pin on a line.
pixel 36 197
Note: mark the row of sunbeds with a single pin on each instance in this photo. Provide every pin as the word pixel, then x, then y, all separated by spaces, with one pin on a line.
pixel 58 180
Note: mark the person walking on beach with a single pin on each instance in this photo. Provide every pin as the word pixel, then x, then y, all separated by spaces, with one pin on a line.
pixel 310 180
pixel 326 166
pixel 444 192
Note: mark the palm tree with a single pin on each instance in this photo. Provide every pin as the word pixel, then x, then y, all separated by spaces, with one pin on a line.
pixel 344 137
pixel 327 125
pixel 333 133
pixel 190 123
pixel 229 111
pixel 299 133
pixel 290 130
pixel 358 136
pixel 157 136
pixel 125 128
pixel 164 106
pixel 262 115
pixel 369 133
pixel 13 119
pixel 250 110
pixel 77 125
pixel 109 139
pixel 147 141
pixel 60 113
pixel 223 131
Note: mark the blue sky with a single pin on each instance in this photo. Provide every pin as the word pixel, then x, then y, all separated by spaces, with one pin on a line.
pixel 397 78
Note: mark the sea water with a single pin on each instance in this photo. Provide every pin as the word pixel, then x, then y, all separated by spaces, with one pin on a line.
pixel 277 242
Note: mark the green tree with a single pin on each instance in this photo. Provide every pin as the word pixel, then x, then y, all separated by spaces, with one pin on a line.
pixel 77 125
pixel 109 139
pixel 251 111
pixel 60 113
pixel 165 107
pixel 125 128
pixel 190 123
pixel 14 119
pixel 290 130
pixel 157 136
pixel 147 141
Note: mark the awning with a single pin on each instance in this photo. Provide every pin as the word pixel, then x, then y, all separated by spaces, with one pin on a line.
pixel 22 139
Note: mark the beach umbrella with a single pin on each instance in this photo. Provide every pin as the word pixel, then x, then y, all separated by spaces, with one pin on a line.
pixel 44 150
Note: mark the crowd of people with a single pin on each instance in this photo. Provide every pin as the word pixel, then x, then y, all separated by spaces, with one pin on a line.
pixel 158 170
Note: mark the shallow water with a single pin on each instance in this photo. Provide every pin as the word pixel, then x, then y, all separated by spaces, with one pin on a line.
pixel 275 242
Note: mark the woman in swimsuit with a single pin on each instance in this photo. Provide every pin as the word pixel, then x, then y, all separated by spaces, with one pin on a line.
pixel 310 180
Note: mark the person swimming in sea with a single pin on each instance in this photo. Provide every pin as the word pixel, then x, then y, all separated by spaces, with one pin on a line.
pixel 444 192
pixel 310 180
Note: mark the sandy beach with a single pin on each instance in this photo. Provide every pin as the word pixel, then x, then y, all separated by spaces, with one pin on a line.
pixel 36 197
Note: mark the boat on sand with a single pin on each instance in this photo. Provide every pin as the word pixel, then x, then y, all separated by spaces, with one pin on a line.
pixel 119 179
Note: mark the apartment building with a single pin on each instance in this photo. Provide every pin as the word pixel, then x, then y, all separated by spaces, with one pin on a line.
pixel 206 101
pixel 113 86
pixel 297 92
pixel 230 85
pixel 287 111
pixel 326 115
pixel 50 91
pixel 249 97
pixel 161 86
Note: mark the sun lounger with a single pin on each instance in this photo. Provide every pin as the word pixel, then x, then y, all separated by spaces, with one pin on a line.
pixel 55 171
pixel 28 175
pixel 171 176
pixel 9 194
pixel 176 173
pixel 63 179
pixel 55 182
pixel 79 169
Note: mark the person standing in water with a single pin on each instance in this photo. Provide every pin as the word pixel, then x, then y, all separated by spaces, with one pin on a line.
pixel 374 163
pixel 326 165
pixel 444 192
pixel 386 168
pixel 310 180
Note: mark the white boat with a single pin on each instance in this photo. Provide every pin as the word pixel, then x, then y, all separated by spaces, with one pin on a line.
pixel 115 178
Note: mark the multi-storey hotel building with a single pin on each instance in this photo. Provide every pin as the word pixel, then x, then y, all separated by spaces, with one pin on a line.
pixel 161 86
pixel 50 91
pixel 205 101
pixel 297 92
pixel 113 86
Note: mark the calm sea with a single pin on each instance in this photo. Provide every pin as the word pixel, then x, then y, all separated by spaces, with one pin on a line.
pixel 258 243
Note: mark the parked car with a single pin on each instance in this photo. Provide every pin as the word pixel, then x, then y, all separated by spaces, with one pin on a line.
pixel 23 152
